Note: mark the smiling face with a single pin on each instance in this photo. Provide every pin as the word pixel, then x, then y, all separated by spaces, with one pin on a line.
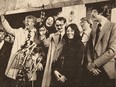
pixel 42 31
pixel 95 15
pixel 29 23
pixel 84 25
pixel 70 33
pixel 49 21
pixel 35 56
pixel 60 25
pixel 2 36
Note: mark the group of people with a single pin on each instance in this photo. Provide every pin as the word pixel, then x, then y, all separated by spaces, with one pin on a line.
pixel 55 54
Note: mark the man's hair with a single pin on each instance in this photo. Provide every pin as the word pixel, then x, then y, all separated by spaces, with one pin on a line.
pixel 98 8
pixel 30 17
pixel 86 19
pixel 1 30
pixel 61 19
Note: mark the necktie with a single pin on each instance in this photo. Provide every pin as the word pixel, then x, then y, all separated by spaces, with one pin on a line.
pixel 83 34
pixel 97 33
pixel 29 34
pixel 59 38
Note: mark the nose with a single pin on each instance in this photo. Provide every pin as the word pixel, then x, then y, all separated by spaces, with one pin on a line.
pixel 69 32
pixel 59 26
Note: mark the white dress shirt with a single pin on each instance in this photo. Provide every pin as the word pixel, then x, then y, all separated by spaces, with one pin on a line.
pixel 1 44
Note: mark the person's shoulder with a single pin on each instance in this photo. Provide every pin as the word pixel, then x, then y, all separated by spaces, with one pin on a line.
pixel 80 43
pixel 53 34
pixel 112 24
pixel 8 44
pixel 19 29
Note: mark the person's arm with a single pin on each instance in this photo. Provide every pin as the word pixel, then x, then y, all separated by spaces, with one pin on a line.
pixel 110 52
pixel 6 25
pixel 46 41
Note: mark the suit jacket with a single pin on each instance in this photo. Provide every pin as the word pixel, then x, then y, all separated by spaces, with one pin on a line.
pixel 102 54
pixel 4 57
pixel 53 53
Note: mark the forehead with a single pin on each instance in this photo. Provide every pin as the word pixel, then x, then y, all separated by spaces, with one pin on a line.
pixel 59 22
pixel 42 28
pixel 83 21
pixel 94 10
pixel 30 19
pixel 50 18
pixel 69 29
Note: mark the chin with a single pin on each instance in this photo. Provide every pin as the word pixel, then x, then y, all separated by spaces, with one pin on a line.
pixel 70 38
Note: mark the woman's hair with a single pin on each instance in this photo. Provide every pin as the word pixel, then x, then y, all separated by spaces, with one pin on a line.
pixel 44 22
pixel 76 31
pixel 42 25
pixel 39 50
pixel 51 29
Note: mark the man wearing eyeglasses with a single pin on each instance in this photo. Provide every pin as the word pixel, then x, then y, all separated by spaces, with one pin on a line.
pixel 56 43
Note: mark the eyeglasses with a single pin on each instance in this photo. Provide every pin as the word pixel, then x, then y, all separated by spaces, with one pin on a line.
pixel 57 25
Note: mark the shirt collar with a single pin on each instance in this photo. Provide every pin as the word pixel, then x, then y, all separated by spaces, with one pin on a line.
pixel 62 33
pixel 32 30
pixel 103 22
pixel 1 44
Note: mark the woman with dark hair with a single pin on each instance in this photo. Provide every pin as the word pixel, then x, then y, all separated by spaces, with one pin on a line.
pixel 49 24
pixel 42 35
pixel 68 67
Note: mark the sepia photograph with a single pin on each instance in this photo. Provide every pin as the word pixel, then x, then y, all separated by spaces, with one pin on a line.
pixel 57 43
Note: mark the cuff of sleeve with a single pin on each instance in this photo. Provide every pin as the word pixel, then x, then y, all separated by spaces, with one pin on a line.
pixel 97 63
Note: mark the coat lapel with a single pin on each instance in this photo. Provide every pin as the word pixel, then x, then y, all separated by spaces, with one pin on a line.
pixel 61 44
pixel 105 27
pixel 55 39
pixel 94 33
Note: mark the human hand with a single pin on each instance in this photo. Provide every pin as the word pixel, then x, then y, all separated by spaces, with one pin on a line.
pixel 2 12
pixel 42 37
pixel 40 67
pixel 57 74
pixel 92 68
pixel 62 79
pixel 96 72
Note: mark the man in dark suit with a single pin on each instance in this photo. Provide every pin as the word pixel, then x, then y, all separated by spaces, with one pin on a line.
pixel 56 43
pixel 102 50
pixel 5 50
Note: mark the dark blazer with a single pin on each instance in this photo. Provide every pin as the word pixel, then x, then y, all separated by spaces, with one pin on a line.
pixel 105 49
pixel 4 58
